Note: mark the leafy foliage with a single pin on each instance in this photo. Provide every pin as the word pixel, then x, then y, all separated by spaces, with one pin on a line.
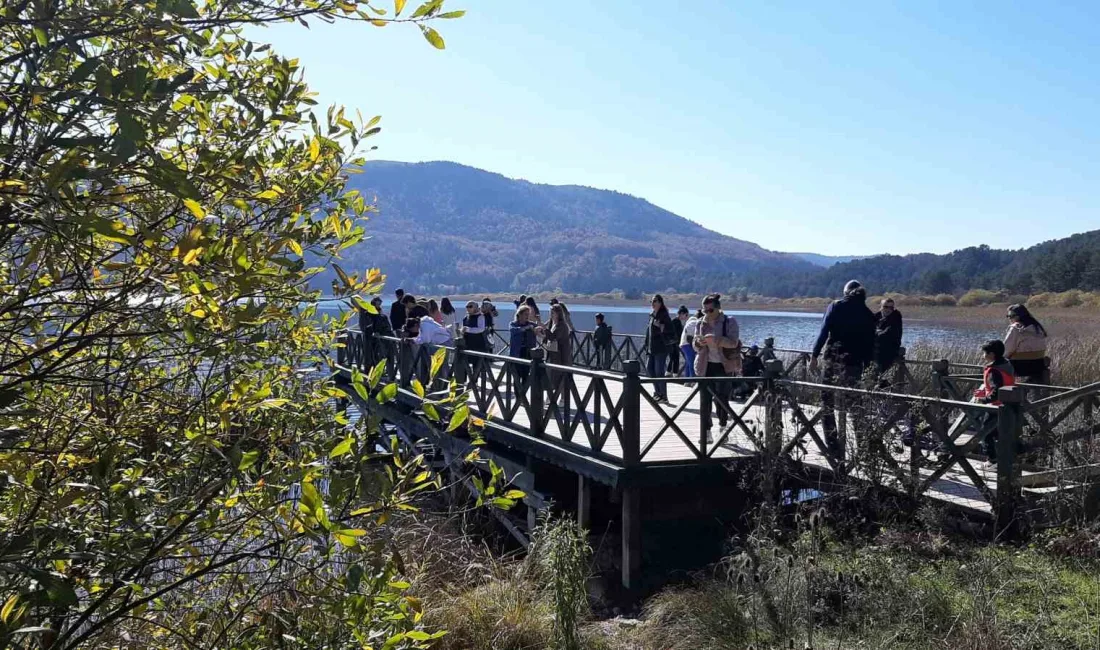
pixel 171 475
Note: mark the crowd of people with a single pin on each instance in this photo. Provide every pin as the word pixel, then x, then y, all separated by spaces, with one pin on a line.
pixel 852 342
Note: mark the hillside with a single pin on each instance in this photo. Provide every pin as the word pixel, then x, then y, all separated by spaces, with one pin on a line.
pixel 1058 265
pixel 826 261
pixel 447 227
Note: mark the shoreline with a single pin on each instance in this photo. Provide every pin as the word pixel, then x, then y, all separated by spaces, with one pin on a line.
pixel 1066 320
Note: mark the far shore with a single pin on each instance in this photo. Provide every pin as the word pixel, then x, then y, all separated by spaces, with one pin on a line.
pixel 1070 320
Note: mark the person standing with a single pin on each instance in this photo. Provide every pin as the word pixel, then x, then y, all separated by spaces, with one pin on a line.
pixel 559 350
pixel 847 337
pixel 660 327
pixel 474 328
pixel 674 341
pixel 604 343
pixel 888 332
pixel 718 346
pixel 687 337
pixel 450 318
pixel 536 315
pixel 997 374
pixel 1026 345
pixel 489 311
pixel 397 311
pixel 521 340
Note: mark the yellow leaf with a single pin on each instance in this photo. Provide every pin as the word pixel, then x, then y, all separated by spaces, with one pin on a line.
pixel 12 183
pixel 314 149
pixel 267 194
pixel 195 208
pixel 192 257
pixel 5 613
pixel 294 246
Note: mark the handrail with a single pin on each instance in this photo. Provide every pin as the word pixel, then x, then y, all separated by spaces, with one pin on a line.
pixel 894 396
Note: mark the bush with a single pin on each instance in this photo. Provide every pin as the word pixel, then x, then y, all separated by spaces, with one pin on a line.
pixel 508 614
pixel 945 300
pixel 1040 300
pixel 978 297
pixel 1072 298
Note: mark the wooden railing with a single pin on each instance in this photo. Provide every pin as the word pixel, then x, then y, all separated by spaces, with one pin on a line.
pixel 907 442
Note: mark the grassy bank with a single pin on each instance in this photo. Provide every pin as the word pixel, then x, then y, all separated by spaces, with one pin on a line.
pixel 894 590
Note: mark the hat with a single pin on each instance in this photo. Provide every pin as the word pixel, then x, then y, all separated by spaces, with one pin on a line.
pixel 853 286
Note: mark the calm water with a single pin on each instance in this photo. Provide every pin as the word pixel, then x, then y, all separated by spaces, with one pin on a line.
pixel 790 329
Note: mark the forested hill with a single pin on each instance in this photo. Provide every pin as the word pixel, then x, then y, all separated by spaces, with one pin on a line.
pixel 448 228
pixel 1059 265
pixel 444 227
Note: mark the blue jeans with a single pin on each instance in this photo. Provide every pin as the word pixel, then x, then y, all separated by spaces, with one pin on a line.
pixel 656 368
pixel 689 360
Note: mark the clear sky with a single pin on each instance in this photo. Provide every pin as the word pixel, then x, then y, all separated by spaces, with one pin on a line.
pixel 837 128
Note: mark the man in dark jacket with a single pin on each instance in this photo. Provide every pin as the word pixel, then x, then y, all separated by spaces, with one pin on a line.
pixel 847 337
pixel 674 340
pixel 888 330
pixel 603 342
pixel 397 311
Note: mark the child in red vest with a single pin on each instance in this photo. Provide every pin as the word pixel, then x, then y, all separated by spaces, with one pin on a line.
pixel 997 374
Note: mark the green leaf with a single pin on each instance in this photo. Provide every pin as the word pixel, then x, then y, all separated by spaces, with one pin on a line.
pixel 376 373
pixel 503 503
pixel 418 388
pixel 248 459
pixel 459 417
pixel 40 36
pixel 431 412
pixel 434 38
pixel 451 14
pixel 515 494
pixel 387 394
pixel 343 448
pixel 360 390
pixel 364 305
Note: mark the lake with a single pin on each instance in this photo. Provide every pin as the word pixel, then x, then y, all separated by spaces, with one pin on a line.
pixel 794 330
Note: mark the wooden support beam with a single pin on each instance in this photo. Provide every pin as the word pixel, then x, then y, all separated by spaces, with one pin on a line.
pixel 1010 424
pixel 584 502
pixel 632 537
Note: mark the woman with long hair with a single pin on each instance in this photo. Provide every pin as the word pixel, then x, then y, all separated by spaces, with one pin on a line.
pixel 535 315
pixel 657 340
pixel 448 312
pixel 1026 345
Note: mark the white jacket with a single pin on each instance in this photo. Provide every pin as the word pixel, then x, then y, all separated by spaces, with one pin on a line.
pixel 691 329
pixel 432 333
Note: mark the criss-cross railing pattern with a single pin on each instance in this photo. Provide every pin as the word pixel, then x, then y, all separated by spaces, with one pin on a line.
pixel 911 443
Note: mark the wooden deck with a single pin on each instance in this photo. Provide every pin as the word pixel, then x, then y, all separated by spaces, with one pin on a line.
pixel 954 487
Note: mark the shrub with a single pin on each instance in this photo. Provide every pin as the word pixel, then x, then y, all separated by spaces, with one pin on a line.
pixel 507 614
pixel 945 300
pixel 978 297
pixel 1039 301
pixel 1072 298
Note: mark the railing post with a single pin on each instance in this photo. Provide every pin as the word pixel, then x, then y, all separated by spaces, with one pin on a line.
pixel 1009 428
pixel 940 371
pixel 900 370
pixel 632 412
pixel 773 431
pixel 342 341
pixel 459 369
pixel 536 394
pixel 405 363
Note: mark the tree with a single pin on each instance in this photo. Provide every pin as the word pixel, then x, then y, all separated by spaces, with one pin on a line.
pixel 937 282
pixel 173 478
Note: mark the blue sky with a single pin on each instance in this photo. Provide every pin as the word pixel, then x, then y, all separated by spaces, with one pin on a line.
pixel 836 128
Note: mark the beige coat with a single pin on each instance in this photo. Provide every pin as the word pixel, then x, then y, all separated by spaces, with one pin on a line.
pixel 1025 343
pixel 729 345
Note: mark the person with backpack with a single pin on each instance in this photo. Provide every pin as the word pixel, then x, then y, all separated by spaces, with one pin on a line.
pixel 1026 345
pixel 656 335
pixel 397 311
pixel 522 340
pixel 604 343
pixel 718 347
pixel 997 374
pixel 847 337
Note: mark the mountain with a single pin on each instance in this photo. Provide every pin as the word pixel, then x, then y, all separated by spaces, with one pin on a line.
pixel 828 260
pixel 445 227
pixel 1057 265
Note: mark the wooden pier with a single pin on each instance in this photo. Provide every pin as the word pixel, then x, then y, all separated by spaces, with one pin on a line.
pixel 607 428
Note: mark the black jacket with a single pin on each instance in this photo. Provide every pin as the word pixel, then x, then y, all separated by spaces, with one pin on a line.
pixel 888 331
pixel 656 336
pixel 397 316
pixel 847 332
pixel 602 336
pixel 677 334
